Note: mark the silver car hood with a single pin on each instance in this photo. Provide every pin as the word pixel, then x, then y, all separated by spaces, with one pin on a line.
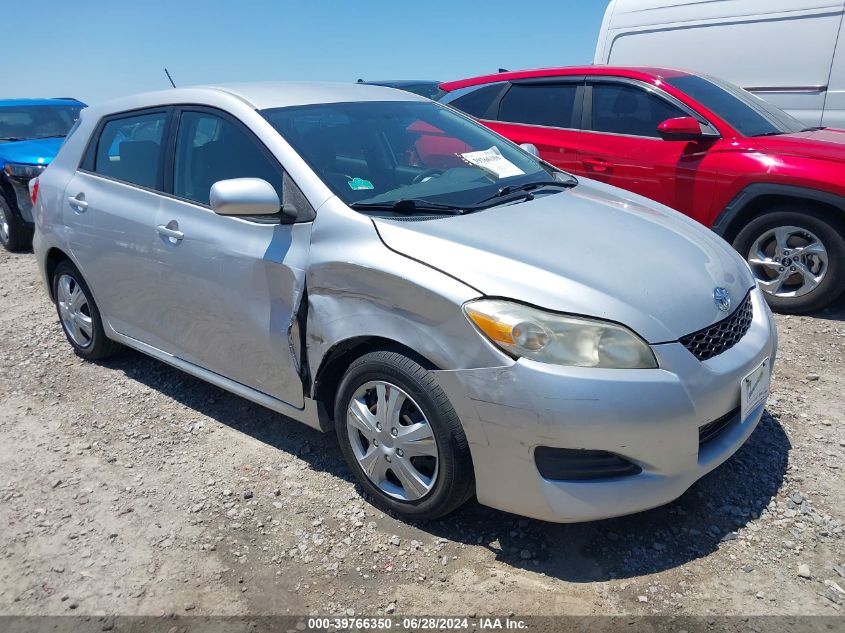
pixel 593 250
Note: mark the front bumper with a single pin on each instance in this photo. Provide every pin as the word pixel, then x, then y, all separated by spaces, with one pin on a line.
pixel 23 203
pixel 648 416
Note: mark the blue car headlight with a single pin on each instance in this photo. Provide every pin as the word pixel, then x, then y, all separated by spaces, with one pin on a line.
pixel 20 170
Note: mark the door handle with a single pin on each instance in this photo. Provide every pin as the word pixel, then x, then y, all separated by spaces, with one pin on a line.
pixel 78 202
pixel 174 234
pixel 597 164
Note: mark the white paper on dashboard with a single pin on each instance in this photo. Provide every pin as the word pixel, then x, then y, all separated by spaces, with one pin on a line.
pixel 492 161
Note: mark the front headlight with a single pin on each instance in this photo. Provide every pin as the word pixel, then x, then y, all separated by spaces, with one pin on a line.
pixel 18 170
pixel 527 332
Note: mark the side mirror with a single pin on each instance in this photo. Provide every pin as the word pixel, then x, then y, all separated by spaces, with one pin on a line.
pixel 244 196
pixel 531 149
pixel 682 128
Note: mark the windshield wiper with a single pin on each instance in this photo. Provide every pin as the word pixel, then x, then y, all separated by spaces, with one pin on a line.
pixel 814 129
pixel 12 138
pixel 565 184
pixel 408 205
pixel 506 191
pixel 777 133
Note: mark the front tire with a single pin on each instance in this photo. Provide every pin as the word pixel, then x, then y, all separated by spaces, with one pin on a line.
pixel 797 256
pixel 14 235
pixel 401 437
pixel 79 315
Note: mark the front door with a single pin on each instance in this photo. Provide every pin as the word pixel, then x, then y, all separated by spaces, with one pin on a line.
pixel 620 145
pixel 228 288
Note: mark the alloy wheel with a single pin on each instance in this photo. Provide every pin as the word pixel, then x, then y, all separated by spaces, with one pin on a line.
pixel 788 261
pixel 392 440
pixel 74 311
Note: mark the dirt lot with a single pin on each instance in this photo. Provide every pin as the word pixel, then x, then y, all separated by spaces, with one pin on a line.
pixel 129 487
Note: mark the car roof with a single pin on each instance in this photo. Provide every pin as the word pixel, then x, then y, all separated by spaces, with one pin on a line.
pixel 647 73
pixel 262 95
pixel 16 103
pixel 399 83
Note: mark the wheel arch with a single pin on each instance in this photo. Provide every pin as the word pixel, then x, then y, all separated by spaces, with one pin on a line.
pixel 340 356
pixel 52 258
pixel 752 202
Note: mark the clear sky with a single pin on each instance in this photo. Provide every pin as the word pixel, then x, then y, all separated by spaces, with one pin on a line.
pixel 98 49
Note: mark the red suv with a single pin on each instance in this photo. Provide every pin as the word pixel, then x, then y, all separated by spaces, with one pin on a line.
pixel 762 180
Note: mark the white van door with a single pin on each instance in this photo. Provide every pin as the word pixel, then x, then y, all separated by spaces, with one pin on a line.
pixel 834 103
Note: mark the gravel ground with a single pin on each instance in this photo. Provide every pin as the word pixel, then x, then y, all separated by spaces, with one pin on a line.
pixel 128 487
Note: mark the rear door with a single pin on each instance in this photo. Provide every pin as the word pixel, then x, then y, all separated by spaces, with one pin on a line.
pixel 110 208
pixel 227 288
pixel 620 145
pixel 546 113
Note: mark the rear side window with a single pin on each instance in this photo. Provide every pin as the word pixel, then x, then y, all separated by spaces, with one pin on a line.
pixel 625 109
pixel 478 102
pixel 129 149
pixel 211 148
pixel 550 105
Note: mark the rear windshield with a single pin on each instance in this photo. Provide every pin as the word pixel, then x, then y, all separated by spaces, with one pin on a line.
pixel 746 113
pixel 36 121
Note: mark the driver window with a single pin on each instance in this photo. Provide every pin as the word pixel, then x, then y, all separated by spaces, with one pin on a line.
pixel 211 148
pixel 630 110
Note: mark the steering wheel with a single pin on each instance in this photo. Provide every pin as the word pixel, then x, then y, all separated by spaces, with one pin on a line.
pixel 428 173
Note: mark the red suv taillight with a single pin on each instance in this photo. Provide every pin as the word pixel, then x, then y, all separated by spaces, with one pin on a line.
pixel 33 190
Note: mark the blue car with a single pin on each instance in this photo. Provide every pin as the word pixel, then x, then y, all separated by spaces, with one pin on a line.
pixel 31 132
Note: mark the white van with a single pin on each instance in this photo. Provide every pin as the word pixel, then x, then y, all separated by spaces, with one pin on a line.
pixel 789 52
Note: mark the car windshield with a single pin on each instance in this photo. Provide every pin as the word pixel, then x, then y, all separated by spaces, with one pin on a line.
pixel 746 113
pixel 384 152
pixel 36 121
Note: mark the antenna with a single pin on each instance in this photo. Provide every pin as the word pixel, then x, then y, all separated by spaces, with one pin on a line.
pixel 169 78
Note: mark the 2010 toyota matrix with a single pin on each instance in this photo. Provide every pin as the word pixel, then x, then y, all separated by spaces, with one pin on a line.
pixel 467 318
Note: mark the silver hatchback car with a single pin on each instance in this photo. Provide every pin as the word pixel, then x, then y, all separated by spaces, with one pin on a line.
pixel 468 319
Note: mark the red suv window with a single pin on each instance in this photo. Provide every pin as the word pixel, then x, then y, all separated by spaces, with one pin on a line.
pixel 625 109
pixel 551 105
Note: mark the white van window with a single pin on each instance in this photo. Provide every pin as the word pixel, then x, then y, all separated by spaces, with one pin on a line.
pixel 747 114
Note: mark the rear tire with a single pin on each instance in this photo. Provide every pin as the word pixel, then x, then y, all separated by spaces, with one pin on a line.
pixel 418 459
pixel 15 236
pixel 79 315
pixel 797 256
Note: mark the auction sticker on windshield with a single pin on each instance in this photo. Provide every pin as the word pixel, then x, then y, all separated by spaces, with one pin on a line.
pixel 359 184
pixel 755 388
pixel 492 161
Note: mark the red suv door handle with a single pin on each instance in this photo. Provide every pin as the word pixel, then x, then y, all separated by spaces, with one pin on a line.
pixel 597 164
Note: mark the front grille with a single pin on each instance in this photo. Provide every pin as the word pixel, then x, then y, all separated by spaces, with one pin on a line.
pixel 562 464
pixel 714 429
pixel 721 336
